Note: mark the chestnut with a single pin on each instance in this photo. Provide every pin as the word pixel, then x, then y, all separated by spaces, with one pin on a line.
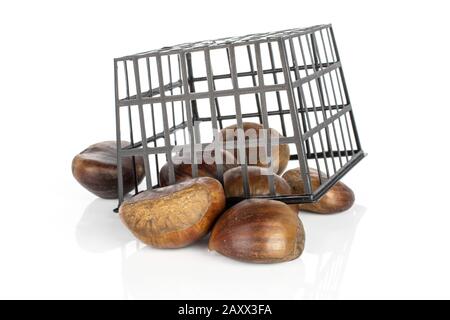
pixel 174 216
pixel 280 153
pixel 95 168
pixel 206 168
pixel 261 231
pixel 337 199
pixel 258 181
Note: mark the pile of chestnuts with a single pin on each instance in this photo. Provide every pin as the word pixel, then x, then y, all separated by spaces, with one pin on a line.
pixel 175 216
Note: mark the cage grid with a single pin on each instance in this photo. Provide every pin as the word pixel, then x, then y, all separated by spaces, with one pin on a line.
pixel 290 80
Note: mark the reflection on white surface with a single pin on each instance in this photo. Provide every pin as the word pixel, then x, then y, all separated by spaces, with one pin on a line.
pixel 100 229
pixel 196 273
pixel 329 240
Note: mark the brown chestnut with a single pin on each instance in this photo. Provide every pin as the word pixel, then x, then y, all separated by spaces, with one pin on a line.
pixel 174 216
pixel 261 231
pixel 206 168
pixel 258 181
pixel 337 199
pixel 280 153
pixel 96 169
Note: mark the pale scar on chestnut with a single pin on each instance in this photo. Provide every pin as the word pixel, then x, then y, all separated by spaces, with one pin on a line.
pixel 174 216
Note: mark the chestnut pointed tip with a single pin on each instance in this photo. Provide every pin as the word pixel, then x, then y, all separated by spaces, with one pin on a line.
pixel 211 247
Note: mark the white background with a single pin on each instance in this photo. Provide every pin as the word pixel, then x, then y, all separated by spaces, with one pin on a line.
pixel 56 83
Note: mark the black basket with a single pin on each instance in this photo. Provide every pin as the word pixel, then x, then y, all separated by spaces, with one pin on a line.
pixel 290 80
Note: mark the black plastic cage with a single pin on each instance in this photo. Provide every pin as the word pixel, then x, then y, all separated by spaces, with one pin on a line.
pixel 290 80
